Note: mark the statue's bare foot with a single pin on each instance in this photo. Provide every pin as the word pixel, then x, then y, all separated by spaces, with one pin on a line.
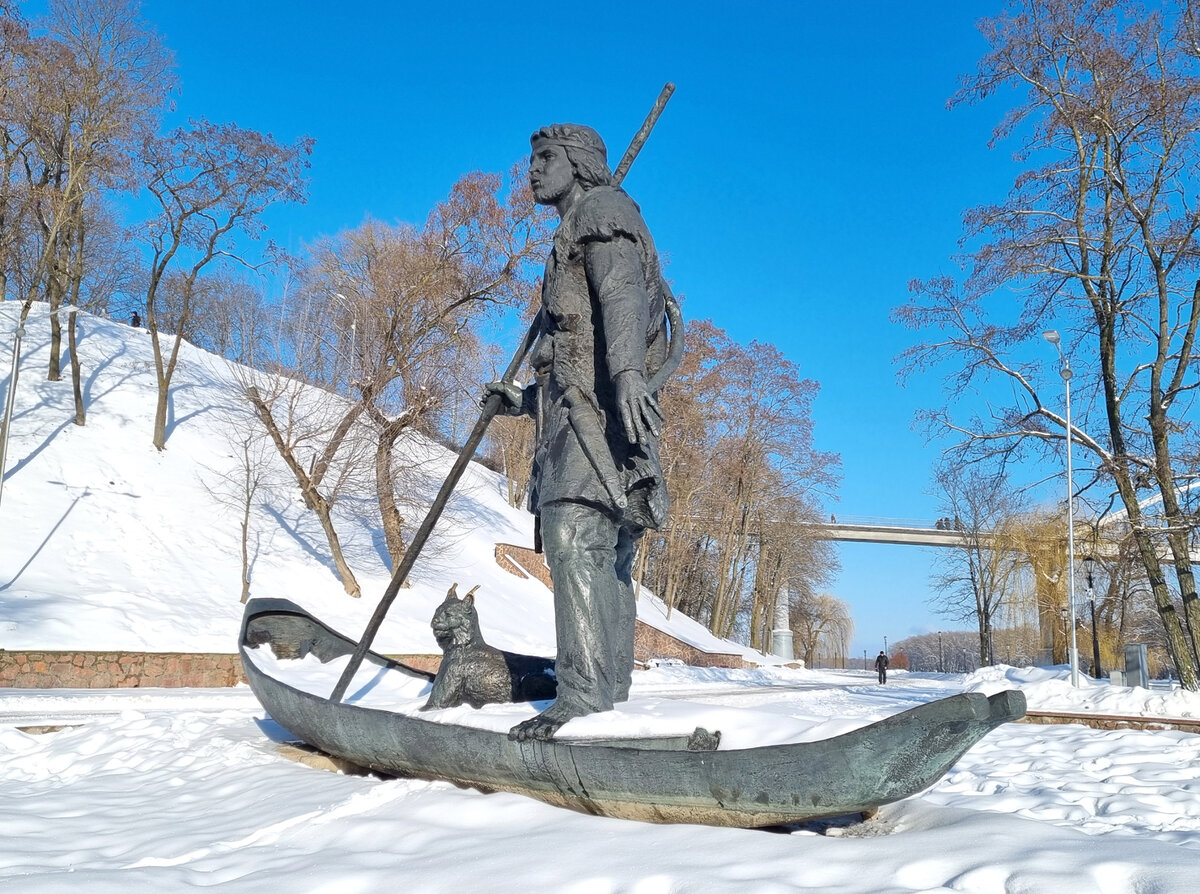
pixel 545 725
pixel 541 728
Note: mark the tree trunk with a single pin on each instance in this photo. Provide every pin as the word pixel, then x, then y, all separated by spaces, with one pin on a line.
pixel 385 490
pixel 1177 640
pixel 161 402
pixel 76 372
pixel 324 513
pixel 245 551
pixel 72 329
pixel 1178 529
pixel 313 498
pixel 54 292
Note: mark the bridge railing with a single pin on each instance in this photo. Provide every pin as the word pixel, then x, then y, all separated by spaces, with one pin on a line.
pixel 875 521
pixel 1149 520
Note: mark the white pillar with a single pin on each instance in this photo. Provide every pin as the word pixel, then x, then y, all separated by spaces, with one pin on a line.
pixel 781 636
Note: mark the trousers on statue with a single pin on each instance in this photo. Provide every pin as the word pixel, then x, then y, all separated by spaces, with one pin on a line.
pixel 590 556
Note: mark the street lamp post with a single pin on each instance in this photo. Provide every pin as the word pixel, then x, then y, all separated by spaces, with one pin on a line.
pixel 1052 336
pixel 1088 563
pixel 10 397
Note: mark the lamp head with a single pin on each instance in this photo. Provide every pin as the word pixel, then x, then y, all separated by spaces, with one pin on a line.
pixel 1052 336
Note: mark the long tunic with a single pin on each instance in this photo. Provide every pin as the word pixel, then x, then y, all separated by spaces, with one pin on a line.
pixel 603 299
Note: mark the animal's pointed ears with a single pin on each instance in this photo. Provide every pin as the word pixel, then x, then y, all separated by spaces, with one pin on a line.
pixel 470 597
pixel 452 593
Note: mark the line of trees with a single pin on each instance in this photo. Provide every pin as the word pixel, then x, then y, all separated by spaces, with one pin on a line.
pixel 1010 578
pixel 84 92
pixel 945 652
pixel 378 332
pixel 1098 236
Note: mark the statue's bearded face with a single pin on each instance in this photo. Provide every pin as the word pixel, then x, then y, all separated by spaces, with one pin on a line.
pixel 550 173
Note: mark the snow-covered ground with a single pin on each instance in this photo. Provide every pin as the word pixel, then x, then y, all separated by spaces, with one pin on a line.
pixel 105 543
pixel 166 791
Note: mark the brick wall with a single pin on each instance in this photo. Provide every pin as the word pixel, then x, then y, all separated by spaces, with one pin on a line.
pixel 648 642
pixel 523 562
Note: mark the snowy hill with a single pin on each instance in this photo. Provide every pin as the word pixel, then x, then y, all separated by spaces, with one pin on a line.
pixel 106 544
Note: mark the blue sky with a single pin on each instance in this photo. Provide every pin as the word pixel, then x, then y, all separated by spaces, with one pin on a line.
pixel 804 172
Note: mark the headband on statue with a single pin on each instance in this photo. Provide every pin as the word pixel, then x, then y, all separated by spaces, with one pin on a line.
pixel 571 136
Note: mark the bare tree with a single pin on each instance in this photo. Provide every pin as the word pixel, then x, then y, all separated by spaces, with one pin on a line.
pixel 822 627
pixel 510 452
pixel 1099 232
pixel 743 472
pixel 381 321
pixel 764 453
pixel 210 181
pixel 789 564
pixel 402 306
pixel 98 79
pixel 233 320
pixel 944 652
pixel 239 488
pixel 74 99
pixel 974 580
pixel 311 432
pixel 16 47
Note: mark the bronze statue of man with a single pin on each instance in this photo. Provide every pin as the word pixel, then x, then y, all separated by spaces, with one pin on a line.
pixel 597 482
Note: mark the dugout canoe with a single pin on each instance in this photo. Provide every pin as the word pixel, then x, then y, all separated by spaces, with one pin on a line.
pixel 653 780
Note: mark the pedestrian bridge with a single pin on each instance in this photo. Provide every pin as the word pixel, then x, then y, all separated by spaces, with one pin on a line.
pixel 909 531
pixel 941 532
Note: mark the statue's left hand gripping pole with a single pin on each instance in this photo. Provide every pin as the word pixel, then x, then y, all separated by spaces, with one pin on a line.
pixel 491 406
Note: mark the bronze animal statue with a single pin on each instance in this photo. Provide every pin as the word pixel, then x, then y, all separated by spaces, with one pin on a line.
pixel 475 673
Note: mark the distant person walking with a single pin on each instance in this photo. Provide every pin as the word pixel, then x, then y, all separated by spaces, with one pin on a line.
pixel 135 321
pixel 881 666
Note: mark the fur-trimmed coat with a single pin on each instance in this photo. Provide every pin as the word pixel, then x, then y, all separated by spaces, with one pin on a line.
pixel 603 299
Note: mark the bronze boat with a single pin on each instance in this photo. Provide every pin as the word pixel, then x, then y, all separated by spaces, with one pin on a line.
pixel 662 780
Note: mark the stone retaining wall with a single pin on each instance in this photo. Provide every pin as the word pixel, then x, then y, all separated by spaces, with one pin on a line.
pixel 120 670
pixel 523 562
pixel 111 670
pixel 648 642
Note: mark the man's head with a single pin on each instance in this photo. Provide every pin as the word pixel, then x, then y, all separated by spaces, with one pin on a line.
pixel 562 155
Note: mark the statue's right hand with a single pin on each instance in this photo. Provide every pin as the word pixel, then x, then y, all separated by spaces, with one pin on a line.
pixel 513 396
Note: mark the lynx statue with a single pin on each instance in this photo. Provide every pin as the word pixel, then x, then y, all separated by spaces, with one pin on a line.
pixel 476 673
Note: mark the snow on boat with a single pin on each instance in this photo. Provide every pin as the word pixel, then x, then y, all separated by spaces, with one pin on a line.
pixel 674 779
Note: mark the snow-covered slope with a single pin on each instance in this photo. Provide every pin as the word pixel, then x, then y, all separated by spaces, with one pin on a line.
pixel 106 543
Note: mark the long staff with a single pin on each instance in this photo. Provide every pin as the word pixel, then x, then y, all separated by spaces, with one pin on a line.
pixel 491 406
